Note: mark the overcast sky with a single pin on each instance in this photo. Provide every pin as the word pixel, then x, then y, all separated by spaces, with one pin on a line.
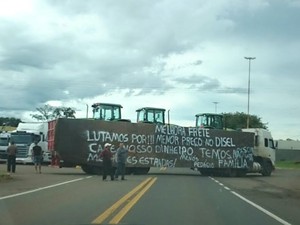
pixel 179 55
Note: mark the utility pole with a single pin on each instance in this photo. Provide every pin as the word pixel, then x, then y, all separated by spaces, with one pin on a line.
pixel 216 103
pixel 87 111
pixel 248 115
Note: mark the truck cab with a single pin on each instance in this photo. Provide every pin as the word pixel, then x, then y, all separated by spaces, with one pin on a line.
pixel 151 115
pixel 210 121
pixel 4 142
pixel 25 136
pixel 264 150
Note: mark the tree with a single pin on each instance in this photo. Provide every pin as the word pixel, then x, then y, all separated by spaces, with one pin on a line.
pixel 69 112
pixel 48 112
pixel 9 121
pixel 45 113
pixel 238 120
pixel 64 112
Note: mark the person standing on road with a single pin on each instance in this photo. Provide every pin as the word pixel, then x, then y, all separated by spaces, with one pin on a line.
pixel 106 156
pixel 121 160
pixel 11 157
pixel 37 153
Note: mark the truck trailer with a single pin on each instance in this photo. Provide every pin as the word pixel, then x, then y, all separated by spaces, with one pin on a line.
pixel 153 143
pixel 80 141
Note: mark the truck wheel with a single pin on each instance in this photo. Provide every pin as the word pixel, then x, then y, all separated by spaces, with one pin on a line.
pixel 91 169
pixel 141 170
pixel 86 169
pixel 233 173
pixel 267 168
pixel 129 170
pixel 205 172
pixel 241 173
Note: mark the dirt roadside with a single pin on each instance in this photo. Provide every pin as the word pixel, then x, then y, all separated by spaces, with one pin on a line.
pixel 283 183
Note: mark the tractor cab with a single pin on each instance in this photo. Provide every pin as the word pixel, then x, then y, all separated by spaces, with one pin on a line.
pixel 210 121
pixel 151 115
pixel 107 111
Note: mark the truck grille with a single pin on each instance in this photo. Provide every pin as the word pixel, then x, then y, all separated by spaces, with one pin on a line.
pixel 22 151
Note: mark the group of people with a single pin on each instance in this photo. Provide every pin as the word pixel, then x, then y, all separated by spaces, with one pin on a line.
pixel 121 156
pixel 37 154
pixel 106 155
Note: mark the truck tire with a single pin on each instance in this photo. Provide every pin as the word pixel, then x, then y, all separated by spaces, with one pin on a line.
pixel 241 173
pixel 267 168
pixel 233 173
pixel 141 170
pixel 205 172
pixel 93 170
pixel 129 170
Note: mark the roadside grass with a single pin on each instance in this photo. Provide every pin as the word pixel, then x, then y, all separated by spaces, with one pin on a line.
pixel 288 164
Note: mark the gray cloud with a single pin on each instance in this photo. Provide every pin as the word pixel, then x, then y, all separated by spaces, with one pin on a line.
pixel 70 50
pixel 207 84
pixel 203 83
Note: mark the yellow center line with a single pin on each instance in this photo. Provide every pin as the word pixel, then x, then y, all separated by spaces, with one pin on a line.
pixel 129 205
pixel 116 205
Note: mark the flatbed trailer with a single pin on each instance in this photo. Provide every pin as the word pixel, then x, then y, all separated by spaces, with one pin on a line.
pixel 80 141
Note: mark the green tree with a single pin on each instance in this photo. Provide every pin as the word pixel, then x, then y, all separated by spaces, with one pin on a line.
pixel 69 112
pixel 238 120
pixel 64 112
pixel 45 113
pixel 9 121
pixel 48 112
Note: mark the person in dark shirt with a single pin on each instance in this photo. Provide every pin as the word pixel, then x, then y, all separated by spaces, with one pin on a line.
pixel 106 156
pixel 37 153
pixel 11 157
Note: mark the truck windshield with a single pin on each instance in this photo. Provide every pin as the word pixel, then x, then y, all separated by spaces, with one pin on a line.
pixel 4 141
pixel 22 138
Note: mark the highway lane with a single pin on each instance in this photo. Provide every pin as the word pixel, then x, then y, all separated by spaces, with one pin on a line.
pixel 279 193
pixel 177 196
pixel 74 198
pixel 190 199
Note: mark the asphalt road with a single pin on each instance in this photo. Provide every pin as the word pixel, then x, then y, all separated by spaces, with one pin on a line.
pixel 172 196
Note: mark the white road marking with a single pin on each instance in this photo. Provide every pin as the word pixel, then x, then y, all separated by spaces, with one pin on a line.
pixel 227 188
pixel 254 205
pixel 43 188
pixel 262 209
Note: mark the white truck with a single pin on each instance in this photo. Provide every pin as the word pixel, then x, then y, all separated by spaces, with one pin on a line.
pixel 263 151
pixel 4 142
pixel 24 137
